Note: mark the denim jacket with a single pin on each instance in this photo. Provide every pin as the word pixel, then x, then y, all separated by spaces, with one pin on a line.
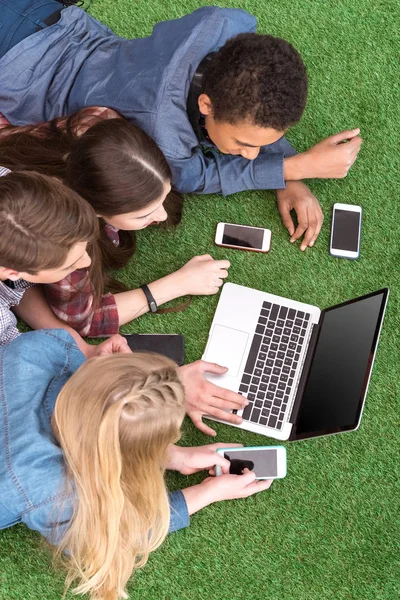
pixel 33 369
pixel 80 62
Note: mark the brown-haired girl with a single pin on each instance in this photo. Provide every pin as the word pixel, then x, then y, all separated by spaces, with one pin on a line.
pixel 125 177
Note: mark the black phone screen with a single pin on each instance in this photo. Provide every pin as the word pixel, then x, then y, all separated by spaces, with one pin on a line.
pixel 170 345
pixel 263 462
pixel 246 237
pixel 346 226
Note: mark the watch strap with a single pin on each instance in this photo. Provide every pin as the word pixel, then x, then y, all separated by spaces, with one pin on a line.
pixel 149 297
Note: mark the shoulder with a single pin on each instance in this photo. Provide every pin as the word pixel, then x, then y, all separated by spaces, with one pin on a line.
pixel 49 352
pixel 213 15
pixel 87 117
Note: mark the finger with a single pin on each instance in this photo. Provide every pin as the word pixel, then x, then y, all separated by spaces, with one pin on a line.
pixel 121 344
pixel 223 273
pixel 223 415
pixel 248 477
pixel 309 234
pixel 198 422
pixel 355 144
pixel 228 404
pixel 222 264
pixel 320 220
pixel 287 220
pixel 207 367
pixel 235 400
pixel 347 134
pixel 257 486
pixel 212 472
pixel 124 349
pixel 217 445
pixel 203 257
pixel 222 462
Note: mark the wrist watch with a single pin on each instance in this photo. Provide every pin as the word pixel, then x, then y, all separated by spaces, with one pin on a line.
pixel 150 299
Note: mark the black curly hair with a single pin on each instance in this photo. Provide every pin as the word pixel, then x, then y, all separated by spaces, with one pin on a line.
pixel 257 78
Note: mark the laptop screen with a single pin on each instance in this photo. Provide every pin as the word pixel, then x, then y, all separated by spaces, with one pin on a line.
pixel 334 393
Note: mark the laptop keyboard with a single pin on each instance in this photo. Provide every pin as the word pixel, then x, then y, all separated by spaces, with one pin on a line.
pixel 271 365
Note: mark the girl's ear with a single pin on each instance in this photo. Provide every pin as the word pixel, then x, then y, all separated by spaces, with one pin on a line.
pixel 6 273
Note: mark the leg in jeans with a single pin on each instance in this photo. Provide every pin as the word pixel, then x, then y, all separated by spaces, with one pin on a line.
pixel 21 18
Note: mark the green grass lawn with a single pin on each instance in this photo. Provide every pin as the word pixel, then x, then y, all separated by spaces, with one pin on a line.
pixel 330 530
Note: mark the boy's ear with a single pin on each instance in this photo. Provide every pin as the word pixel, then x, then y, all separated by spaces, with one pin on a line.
pixel 6 273
pixel 205 104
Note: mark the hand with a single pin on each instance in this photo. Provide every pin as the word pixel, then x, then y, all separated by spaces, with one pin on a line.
pixel 203 397
pixel 191 460
pixel 224 487
pixel 229 487
pixel 114 344
pixel 332 157
pixel 298 197
pixel 202 275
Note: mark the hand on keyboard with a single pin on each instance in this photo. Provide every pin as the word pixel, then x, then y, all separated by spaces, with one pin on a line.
pixel 204 397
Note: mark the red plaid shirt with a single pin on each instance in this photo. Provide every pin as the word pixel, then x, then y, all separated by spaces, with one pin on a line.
pixel 71 300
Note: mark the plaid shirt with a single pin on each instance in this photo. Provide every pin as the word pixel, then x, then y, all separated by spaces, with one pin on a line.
pixel 72 298
pixel 11 293
pixel 87 117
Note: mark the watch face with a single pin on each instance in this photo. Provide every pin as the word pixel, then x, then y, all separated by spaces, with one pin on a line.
pixel 153 307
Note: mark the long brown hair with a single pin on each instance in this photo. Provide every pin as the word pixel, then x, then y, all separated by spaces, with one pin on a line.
pixel 114 420
pixel 114 165
pixel 41 220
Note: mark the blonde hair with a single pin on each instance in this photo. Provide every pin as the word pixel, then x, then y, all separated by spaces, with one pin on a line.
pixel 114 420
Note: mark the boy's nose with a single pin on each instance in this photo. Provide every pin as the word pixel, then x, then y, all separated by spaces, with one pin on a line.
pixel 84 262
pixel 250 153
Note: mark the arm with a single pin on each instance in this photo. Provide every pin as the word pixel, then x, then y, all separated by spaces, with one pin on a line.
pixel 224 487
pixel 276 163
pixel 34 310
pixel 214 173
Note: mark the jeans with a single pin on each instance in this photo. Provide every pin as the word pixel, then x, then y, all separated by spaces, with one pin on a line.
pixel 21 18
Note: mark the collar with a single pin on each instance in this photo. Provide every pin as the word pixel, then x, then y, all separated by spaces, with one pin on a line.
pixel 192 107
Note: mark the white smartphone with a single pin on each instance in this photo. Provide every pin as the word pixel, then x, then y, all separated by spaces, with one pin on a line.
pixel 243 237
pixel 346 231
pixel 268 462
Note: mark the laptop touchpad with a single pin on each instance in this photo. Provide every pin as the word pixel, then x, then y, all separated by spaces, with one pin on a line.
pixel 226 347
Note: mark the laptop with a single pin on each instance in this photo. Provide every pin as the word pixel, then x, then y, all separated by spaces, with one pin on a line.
pixel 304 371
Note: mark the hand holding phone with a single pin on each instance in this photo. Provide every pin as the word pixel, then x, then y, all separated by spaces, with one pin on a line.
pixel 267 462
pixel 243 237
pixel 346 231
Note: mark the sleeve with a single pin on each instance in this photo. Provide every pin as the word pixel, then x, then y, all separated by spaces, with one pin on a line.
pixel 179 511
pixel 8 331
pixel 45 521
pixel 44 517
pixel 214 173
pixel 72 301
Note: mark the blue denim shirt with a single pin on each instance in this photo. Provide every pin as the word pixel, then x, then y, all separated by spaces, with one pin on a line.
pixel 33 369
pixel 80 62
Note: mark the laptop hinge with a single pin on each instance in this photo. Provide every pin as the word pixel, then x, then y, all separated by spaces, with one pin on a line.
pixel 304 373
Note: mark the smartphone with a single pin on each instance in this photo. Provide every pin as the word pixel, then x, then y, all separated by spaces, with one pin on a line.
pixel 170 345
pixel 346 231
pixel 243 237
pixel 268 462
